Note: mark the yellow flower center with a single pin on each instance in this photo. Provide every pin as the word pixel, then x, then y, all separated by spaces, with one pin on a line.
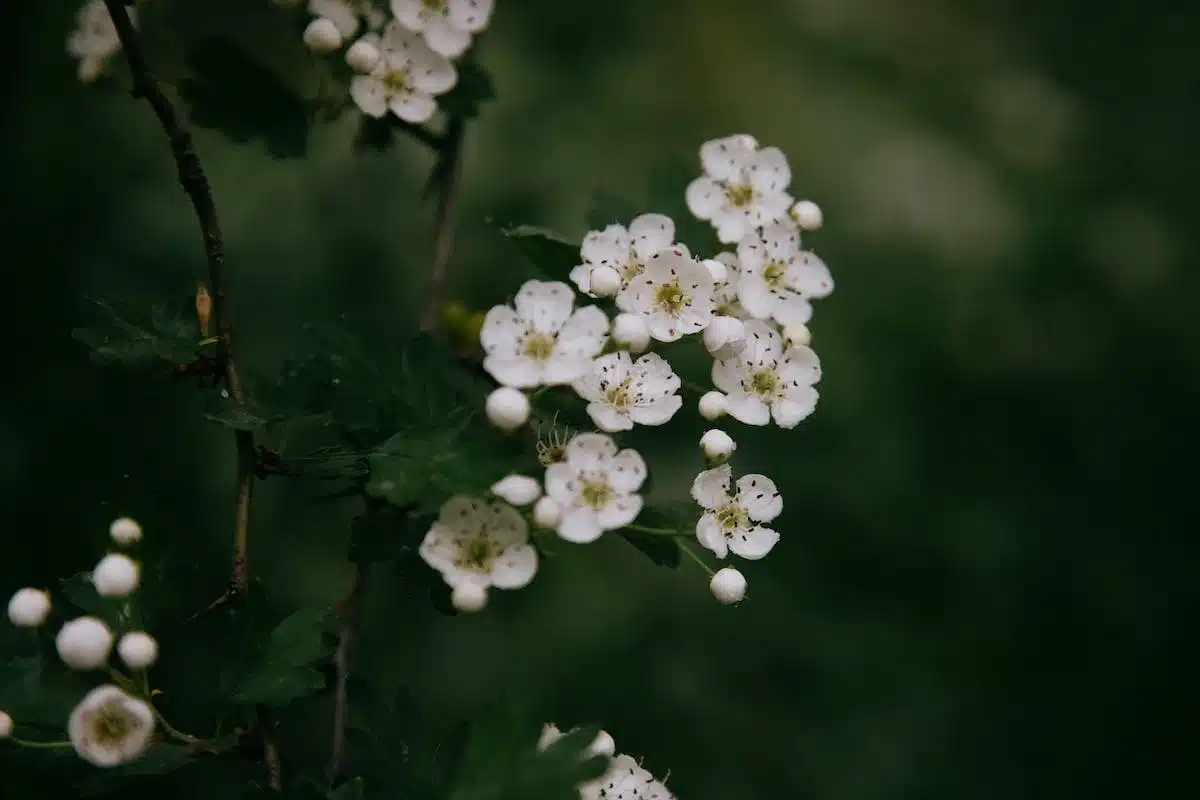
pixel 632 269
pixel 538 346
pixel 553 448
pixel 595 494
pixel 395 81
pixel 731 517
pixel 618 396
pixel 764 383
pixel 670 297
pixel 433 5
pixel 111 725
pixel 476 555
pixel 773 274
pixel 739 195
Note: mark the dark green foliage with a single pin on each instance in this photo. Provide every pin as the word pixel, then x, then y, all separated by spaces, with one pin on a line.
pixel 553 256
pixel 283 667
pixel 474 88
pixel 607 208
pixel 39 693
pixel 662 550
pixel 140 336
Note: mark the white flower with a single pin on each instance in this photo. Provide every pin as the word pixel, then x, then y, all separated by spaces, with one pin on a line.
pixel 364 55
pixel 725 337
pixel 110 727
pixel 469 598
pixel 712 406
pixel 596 487
pixel 322 36
pixel 621 392
pixel 507 408
pixel 547 513
pixel 116 575
pixel 728 585
pixel 6 725
pixel 725 293
pixel 625 250
pixel 542 338
pixel 405 80
pixel 777 278
pixel 29 608
pixel 519 490
pixel 487 544
pixel 625 780
pixel 717 445
pixel 94 39
pixel 631 330
pixel 448 25
pixel 766 381
pixel 348 15
pixel 742 188
pixel 138 650
pixel 84 643
pixel 797 335
pixel 731 522
pixel 807 215
pixel 125 531
pixel 604 281
pixel 674 293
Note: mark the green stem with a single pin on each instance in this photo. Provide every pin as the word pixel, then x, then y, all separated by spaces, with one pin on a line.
pixel 39 745
pixel 658 531
pixel 685 547
pixel 174 733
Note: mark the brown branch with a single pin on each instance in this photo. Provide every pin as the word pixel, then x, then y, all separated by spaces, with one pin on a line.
pixel 350 614
pixel 445 180
pixel 195 184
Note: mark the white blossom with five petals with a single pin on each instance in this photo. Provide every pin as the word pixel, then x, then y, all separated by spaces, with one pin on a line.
pixel 596 487
pixel 405 80
pixel 742 188
pixel 542 339
pixel 766 381
pixel 733 522
pixel 480 543
pixel 447 25
pixel 777 279
pixel 674 293
pixel 621 392
pixel 625 250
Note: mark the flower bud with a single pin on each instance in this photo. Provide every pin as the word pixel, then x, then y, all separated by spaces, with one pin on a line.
pixel 547 513
pixel 469 597
pixel 507 408
pixel 5 725
pixel 797 335
pixel 631 331
pixel 712 406
pixel 138 650
pixel 718 270
pixel 807 215
pixel 518 490
pixel 603 746
pixel 84 643
pixel 116 575
pixel 322 36
pixel 604 281
pixel 724 337
pixel 29 608
pixel 363 55
pixel 125 531
pixel 717 445
pixel 728 586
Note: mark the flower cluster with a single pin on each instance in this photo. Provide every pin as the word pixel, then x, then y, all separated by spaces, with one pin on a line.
pixel 109 726
pixel 749 308
pixel 625 778
pixel 404 59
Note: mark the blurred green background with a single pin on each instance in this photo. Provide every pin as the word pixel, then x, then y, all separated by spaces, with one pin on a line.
pixel 986 586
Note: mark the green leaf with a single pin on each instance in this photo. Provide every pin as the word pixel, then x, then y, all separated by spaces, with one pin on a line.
pixel 282 669
pixel 607 209
pixel 553 255
pixel 241 416
pixel 40 692
pixel 661 549
pixel 350 790
pixel 473 89
pixel 141 338
pixel 161 759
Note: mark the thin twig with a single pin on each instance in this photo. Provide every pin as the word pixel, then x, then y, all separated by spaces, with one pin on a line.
pixel 271 754
pixel 445 181
pixel 195 184
pixel 351 617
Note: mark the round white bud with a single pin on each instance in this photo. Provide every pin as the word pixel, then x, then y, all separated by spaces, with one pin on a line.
pixel 469 597
pixel 322 36
pixel 632 331
pixel 507 408
pixel 604 281
pixel 797 335
pixel 29 608
pixel 712 406
pixel 808 215
pixel 138 650
pixel 718 270
pixel 547 513
pixel 725 337
pixel 717 445
pixel 5 725
pixel 125 531
pixel 362 56
pixel 116 575
pixel 728 586
pixel 603 746
pixel 519 490
pixel 84 643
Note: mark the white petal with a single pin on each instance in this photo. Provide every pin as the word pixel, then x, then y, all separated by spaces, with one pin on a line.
pixel 627 471
pixel 562 368
pixel 705 198
pixel 590 451
pixel 753 544
pixel 710 535
pixel 764 345
pixel 810 276
pixel 430 72
pixel 515 567
pixel 339 12
pixel 770 207
pixel 410 13
pixel 656 412
pixel 791 308
pixel 800 366
pixel 747 408
pixel 608 418
pixel 464 515
pixel 609 247
pixel 620 511
pixel 759 496
pixel 581 276
pixel 710 489
pixel 369 95
pixel 795 407
pixel 584 333
pixel 780 242
pixel 470 15
pixel 580 525
pixel 519 372
pixel 504 525
pixel 754 295
pixel 502 331
pixel 445 39
pixel 545 305
pixel 727 158
pixel 414 107
pixel 560 483
pixel 651 233
pixel 769 171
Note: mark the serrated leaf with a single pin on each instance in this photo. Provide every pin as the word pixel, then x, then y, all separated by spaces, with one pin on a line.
pixel 550 253
pixel 473 89
pixel 241 416
pixel 140 338
pixel 282 670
